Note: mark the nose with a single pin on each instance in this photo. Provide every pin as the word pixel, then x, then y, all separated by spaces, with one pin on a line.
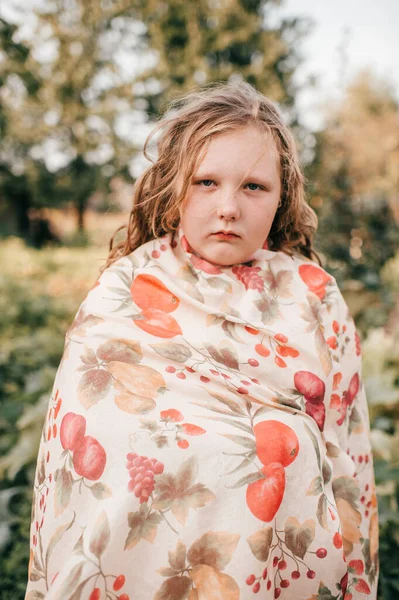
pixel 228 206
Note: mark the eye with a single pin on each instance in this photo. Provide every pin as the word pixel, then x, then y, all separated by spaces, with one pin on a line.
pixel 205 182
pixel 254 186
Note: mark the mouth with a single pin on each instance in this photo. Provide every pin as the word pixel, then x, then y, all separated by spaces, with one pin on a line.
pixel 226 234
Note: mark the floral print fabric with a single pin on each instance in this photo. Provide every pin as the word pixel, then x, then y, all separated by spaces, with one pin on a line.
pixel 207 438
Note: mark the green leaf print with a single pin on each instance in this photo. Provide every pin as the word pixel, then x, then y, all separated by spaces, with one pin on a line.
pixel 63 489
pixel 172 351
pixel 100 536
pixel 214 548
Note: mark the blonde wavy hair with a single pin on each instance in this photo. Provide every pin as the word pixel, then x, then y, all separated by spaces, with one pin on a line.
pixel 160 192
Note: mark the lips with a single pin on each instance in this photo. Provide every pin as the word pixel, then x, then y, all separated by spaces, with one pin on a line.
pixel 227 233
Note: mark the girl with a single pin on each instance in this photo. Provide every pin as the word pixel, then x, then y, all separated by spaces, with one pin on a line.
pixel 208 432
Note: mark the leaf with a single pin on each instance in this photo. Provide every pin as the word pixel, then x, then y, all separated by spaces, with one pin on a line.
pixel 188 273
pixel 142 526
pixel 121 350
pixel 299 537
pixel 177 558
pixel 230 330
pixel 89 357
pixel 244 463
pixel 241 440
pixel 34 595
pixel 321 512
pixel 219 284
pixel 332 450
pixel 216 409
pixel 323 351
pixel 269 308
pixel 93 386
pixel 213 548
pixel 210 584
pixel 250 478
pixel 315 445
pixel 350 519
pixel 229 402
pixel 100 491
pixel 224 353
pixel 71 581
pixel 57 535
pixel 175 588
pixel 179 493
pixel 262 410
pixel 315 487
pixel 238 424
pixel 281 284
pixel 100 536
pixel 35 575
pixel 326 470
pixel 345 487
pixel 167 572
pixel 260 543
pixel 63 489
pixel 172 351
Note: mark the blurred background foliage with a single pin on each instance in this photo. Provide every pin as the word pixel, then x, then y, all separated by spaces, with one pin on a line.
pixel 81 83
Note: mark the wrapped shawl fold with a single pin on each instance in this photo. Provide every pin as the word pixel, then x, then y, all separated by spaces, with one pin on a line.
pixel 207 438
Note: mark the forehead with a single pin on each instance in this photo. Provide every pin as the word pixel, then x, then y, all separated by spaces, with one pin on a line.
pixel 247 148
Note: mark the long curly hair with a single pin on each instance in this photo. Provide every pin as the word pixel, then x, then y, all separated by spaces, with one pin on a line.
pixel 184 134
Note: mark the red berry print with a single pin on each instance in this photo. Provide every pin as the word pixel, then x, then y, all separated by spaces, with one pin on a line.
pixel 124 597
pixel 357 566
pixel 269 584
pixel 119 583
pixel 295 574
pixel 280 337
pixel 172 414
pixel 332 342
pixel 264 574
pixel 280 362
pixel 250 579
pixel 321 553
pixel 190 370
pixel 310 574
pixel 262 350
pixel 242 390
pixel 362 587
pixel 155 254
pixel 183 444
pixel 191 429
pixel 253 362
pixel 170 369
pixel 163 247
pixel 284 583
pixel 251 330
pixel 275 561
pixel 277 592
pixel 256 587
pixel 181 375
pixel 282 565
pixel 204 379
pixel 335 326
pixel 96 594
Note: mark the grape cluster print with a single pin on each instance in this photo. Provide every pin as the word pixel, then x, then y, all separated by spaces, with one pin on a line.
pixel 142 471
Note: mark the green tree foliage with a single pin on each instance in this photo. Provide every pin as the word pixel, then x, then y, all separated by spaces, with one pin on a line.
pixel 196 42
pixel 354 182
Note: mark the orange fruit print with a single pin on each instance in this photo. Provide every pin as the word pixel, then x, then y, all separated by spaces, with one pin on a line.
pixel 316 279
pixel 265 495
pixel 159 323
pixel 276 442
pixel 148 291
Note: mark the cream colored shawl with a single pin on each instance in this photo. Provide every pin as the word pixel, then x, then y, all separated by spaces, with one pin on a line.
pixel 207 438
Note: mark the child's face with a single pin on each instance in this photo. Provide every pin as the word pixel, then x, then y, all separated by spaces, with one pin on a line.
pixel 235 188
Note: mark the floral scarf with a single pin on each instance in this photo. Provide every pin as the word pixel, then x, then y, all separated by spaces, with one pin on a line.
pixel 207 437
